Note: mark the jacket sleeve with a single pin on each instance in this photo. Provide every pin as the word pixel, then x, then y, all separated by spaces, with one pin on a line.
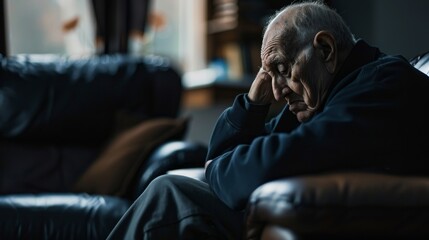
pixel 236 128
pixel 237 125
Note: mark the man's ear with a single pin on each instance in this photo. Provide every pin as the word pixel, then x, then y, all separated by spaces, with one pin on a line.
pixel 326 46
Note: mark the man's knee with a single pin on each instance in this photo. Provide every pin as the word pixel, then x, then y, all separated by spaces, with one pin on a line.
pixel 171 184
pixel 167 181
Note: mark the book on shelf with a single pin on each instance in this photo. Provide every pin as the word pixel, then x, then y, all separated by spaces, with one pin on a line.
pixel 224 16
pixel 221 24
pixel 233 56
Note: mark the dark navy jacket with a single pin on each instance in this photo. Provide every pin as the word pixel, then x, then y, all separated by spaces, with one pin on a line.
pixel 373 119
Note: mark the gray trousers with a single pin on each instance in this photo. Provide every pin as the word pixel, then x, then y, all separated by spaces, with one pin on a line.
pixel 177 207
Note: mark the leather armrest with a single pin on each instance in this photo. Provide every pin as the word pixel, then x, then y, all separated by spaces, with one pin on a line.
pixel 170 156
pixel 59 216
pixel 342 204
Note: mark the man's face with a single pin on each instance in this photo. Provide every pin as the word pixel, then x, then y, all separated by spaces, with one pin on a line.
pixel 297 74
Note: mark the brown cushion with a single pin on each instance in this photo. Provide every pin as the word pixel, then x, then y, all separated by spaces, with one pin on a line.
pixel 113 171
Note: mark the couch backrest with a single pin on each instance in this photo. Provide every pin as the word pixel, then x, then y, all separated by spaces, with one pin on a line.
pixel 57 112
pixel 60 99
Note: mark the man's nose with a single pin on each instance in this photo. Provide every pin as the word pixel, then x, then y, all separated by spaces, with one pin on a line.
pixel 280 82
pixel 280 87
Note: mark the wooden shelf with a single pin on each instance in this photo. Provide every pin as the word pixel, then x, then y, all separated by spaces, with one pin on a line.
pixel 214 93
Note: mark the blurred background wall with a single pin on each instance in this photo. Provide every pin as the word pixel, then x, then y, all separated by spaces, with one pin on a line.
pixel 396 26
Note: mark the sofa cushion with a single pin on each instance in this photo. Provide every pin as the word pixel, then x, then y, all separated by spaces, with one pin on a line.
pixel 114 170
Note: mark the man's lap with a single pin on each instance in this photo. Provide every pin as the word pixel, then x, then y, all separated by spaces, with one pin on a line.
pixel 179 207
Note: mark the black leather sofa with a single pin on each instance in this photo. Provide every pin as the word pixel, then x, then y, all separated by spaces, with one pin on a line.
pixel 56 116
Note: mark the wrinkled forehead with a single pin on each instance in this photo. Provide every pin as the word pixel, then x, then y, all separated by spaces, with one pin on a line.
pixel 282 36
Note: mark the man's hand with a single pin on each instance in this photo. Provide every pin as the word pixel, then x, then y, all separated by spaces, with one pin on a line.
pixel 261 91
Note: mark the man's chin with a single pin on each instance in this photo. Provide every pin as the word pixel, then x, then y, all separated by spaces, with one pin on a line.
pixel 303 116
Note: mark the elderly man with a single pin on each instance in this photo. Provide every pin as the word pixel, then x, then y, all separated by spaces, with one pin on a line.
pixel 349 107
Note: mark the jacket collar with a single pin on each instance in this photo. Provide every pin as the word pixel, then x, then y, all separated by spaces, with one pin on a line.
pixel 360 55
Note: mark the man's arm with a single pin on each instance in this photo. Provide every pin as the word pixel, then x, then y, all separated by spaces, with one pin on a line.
pixel 245 119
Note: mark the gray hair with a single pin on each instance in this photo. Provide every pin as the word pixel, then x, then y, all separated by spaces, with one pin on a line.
pixel 314 16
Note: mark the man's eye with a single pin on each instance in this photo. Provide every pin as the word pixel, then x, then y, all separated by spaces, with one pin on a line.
pixel 282 69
